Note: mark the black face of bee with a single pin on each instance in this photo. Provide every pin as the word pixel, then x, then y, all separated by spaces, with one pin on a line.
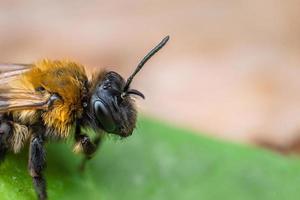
pixel 113 108
pixel 111 102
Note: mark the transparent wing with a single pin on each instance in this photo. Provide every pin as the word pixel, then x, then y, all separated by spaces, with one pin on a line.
pixel 16 99
pixel 10 71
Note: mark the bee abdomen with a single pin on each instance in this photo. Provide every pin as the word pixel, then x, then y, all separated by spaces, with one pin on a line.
pixel 20 135
pixel 13 136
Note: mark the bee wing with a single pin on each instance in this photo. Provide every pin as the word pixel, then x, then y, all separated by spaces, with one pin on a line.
pixel 16 99
pixel 9 71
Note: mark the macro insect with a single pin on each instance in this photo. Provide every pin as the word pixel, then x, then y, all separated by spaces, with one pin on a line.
pixel 51 99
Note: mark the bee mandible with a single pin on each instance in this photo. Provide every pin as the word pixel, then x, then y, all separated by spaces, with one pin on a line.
pixel 51 99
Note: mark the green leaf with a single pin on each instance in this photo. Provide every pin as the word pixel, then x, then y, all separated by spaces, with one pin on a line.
pixel 159 162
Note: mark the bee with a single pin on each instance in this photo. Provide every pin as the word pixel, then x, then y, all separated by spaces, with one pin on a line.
pixel 55 100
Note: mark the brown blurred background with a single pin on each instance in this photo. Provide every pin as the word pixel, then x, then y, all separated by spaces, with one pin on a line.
pixel 231 68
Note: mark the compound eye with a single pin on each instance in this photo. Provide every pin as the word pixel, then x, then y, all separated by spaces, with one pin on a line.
pixel 104 116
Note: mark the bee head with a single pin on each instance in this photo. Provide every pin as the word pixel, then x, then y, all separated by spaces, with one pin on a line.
pixel 113 109
pixel 112 103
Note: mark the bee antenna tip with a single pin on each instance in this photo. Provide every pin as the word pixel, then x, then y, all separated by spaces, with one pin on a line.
pixel 145 59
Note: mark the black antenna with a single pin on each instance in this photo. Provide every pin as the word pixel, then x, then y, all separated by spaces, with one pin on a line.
pixel 145 59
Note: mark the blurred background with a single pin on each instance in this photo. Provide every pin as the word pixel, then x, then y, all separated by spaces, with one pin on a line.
pixel 231 68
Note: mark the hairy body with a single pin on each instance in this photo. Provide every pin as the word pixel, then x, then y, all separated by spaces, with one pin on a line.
pixel 43 101
pixel 67 80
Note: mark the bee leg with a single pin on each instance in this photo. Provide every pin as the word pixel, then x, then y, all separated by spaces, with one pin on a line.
pixel 89 154
pixel 89 148
pixel 36 165
pixel 5 133
pixel 3 151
